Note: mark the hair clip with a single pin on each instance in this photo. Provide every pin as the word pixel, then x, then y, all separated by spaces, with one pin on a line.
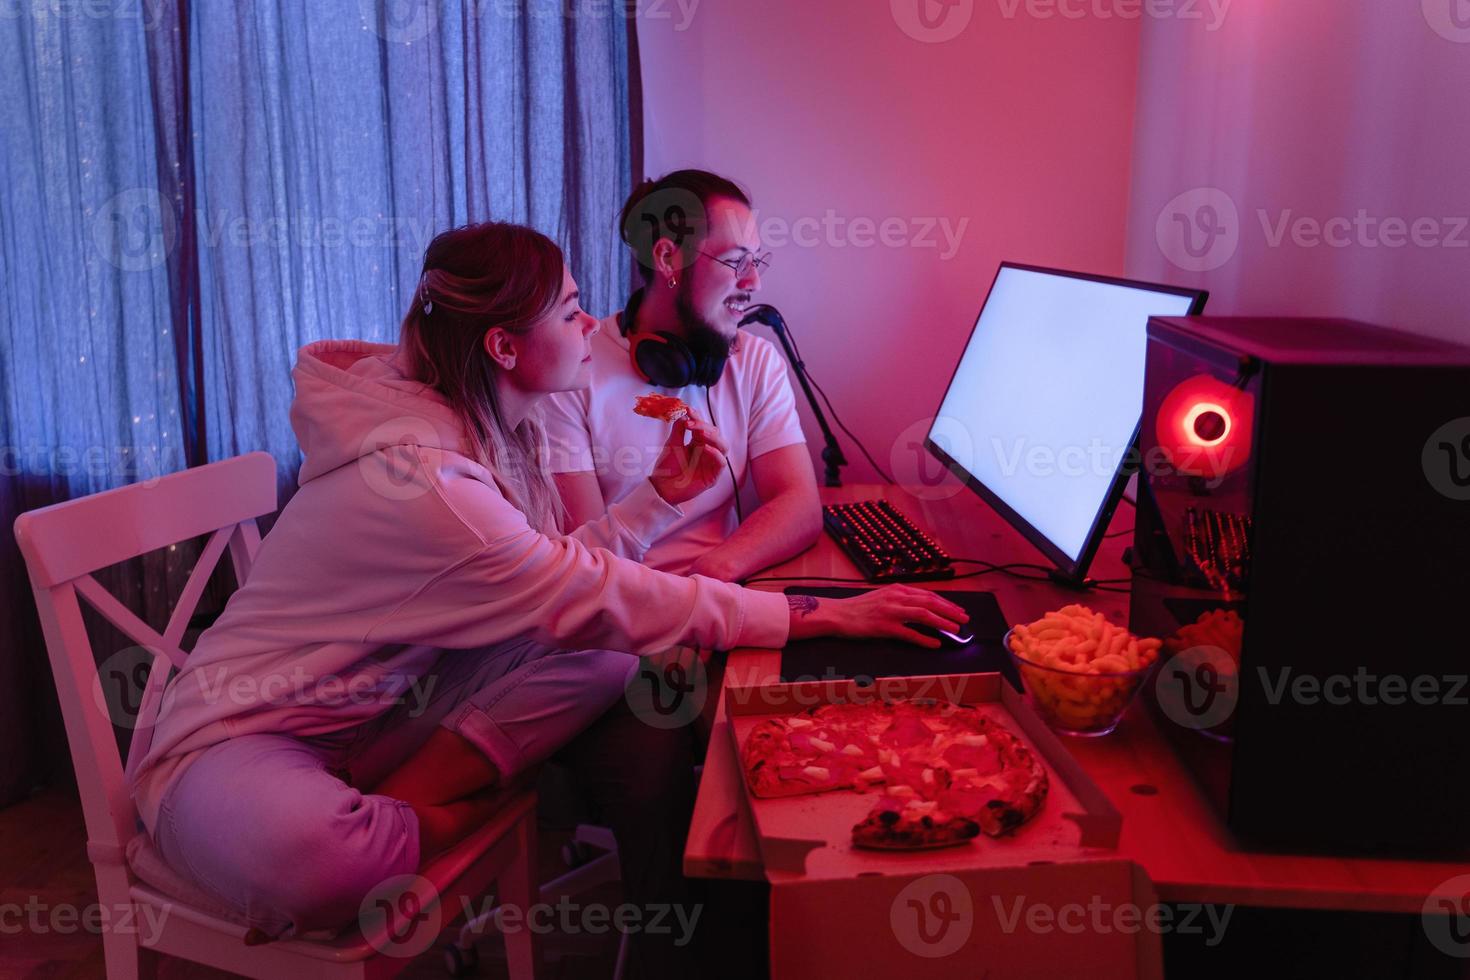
pixel 424 295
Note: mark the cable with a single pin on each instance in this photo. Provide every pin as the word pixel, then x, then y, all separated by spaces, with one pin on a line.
pixel 990 567
pixel 862 581
pixel 804 578
pixel 835 417
pixel 843 426
pixel 1032 566
pixel 1105 585
pixel 709 407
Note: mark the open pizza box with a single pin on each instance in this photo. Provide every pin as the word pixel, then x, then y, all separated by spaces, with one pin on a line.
pixel 1051 899
pixel 811 835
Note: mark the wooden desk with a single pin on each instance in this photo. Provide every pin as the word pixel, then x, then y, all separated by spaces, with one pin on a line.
pixel 1168 827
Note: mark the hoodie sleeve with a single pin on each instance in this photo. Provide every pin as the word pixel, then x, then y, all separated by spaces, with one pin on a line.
pixel 512 581
pixel 632 525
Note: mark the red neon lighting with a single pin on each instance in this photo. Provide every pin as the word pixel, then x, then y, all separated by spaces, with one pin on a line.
pixel 1186 421
pixel 1196 413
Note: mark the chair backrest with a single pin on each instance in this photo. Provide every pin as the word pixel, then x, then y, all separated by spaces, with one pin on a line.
pixel 65 543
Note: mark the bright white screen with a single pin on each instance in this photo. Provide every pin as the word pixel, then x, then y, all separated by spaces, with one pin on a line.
pixel 1048 394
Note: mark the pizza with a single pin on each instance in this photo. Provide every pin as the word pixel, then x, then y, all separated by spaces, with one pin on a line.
pixel 665 407
pixel 944 773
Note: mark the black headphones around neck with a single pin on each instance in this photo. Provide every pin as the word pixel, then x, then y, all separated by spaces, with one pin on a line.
pixel 665 359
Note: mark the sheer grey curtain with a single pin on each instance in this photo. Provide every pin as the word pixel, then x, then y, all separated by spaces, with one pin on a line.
pixel 331 145
pixel 90 391
pixel 194 190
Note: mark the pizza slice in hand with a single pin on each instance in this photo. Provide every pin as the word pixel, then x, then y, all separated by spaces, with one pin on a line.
pixel 665 407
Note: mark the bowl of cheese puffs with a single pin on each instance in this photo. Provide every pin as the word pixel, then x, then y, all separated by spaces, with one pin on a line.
pixel 1080 671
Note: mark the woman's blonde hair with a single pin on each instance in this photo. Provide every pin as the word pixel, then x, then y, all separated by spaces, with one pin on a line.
pixel 477 277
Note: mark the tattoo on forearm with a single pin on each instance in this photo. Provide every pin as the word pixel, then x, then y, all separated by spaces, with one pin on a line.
pixel 802 605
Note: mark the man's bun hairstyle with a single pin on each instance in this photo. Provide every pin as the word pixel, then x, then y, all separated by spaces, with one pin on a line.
pixel 674 207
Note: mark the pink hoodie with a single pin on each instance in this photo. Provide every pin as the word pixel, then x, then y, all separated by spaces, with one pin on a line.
pixel 397 546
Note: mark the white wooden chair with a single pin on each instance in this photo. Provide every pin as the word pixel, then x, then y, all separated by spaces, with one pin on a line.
pixel 63 545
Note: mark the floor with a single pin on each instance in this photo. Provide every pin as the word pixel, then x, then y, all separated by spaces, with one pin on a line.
pixel 43 864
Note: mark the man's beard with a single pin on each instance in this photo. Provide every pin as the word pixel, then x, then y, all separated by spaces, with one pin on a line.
pixel 702 337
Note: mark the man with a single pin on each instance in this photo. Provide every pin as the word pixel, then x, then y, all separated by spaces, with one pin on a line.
pixel 694 240
pixel 700 260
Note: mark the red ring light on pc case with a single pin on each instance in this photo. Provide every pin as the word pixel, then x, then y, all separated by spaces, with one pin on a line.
pixel 1203 427
pixel 1207 424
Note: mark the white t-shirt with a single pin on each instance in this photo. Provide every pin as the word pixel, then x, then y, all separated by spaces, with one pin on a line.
pixel 595 431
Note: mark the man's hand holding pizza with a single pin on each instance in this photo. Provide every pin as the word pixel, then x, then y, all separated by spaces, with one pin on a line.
pixel 691 461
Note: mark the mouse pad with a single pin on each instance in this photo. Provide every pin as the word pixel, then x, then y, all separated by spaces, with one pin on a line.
pixel 837 657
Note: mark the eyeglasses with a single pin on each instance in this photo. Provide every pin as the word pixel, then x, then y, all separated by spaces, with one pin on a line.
pixel 744 264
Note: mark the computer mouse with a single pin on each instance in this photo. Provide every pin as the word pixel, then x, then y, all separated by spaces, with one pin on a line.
pixel 962 637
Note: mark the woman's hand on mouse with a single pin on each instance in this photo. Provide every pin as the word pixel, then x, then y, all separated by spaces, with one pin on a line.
pixel 889 612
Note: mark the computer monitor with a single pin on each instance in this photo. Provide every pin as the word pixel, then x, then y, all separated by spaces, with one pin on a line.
pixel 1041 417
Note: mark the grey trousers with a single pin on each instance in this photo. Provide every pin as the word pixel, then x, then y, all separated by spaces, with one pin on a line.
pixel 274 826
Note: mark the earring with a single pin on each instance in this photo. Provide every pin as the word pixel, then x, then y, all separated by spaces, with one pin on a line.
pixel 673 282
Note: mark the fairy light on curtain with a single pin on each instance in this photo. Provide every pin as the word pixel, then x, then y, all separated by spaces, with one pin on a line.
pixel 90 390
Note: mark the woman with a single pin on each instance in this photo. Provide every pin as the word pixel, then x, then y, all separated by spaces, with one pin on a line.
pixel 414 623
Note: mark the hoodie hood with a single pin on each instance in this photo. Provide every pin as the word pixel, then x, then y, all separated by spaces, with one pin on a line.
pixel 354 398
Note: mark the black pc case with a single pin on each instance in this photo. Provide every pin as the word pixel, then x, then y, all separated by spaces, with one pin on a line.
pixel 1303 544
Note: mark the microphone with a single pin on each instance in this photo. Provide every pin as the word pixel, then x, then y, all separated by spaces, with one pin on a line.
pixel 764 313
pixel 832 452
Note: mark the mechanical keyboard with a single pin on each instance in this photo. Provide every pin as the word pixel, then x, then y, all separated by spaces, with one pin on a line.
pixel 884 544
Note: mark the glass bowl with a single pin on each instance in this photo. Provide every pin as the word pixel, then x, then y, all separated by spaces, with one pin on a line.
pixel 1077 702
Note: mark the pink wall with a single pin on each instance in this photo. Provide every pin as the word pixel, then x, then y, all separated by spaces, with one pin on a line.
pixel 1320 110
pixel 1014 136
